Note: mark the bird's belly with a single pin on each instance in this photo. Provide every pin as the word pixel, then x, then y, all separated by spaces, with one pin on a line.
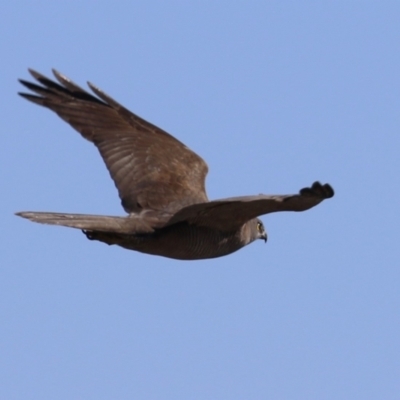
pixel 184 242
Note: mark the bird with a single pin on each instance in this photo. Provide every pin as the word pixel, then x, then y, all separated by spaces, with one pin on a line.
pixel 160 182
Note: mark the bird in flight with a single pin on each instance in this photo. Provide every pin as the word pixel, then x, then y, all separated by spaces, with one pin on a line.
pixel 160 181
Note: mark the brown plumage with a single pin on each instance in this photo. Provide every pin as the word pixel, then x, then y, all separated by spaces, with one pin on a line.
pixel 161 183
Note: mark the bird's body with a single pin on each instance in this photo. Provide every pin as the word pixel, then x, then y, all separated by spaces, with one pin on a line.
pixel 181 241
pixel 161 183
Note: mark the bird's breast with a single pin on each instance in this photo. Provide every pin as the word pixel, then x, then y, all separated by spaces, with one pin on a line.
pixel 185 242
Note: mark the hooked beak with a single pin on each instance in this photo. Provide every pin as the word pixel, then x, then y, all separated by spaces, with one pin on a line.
pixel 264 237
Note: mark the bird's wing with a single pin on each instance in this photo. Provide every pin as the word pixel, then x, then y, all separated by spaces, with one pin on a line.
pixel 230 214
pixel 151 169
pixel 132 224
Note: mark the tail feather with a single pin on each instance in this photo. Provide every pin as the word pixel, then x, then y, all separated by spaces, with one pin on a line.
pixel 129 225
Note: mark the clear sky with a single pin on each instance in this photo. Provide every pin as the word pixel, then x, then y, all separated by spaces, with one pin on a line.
pixel 273 95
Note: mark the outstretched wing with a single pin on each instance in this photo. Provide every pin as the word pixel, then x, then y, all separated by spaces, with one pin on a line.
pixel 230 214
pixel 151 169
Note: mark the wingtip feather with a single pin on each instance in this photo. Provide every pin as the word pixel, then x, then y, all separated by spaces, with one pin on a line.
pixel 105 97
pixel 317 189
pixel 35 74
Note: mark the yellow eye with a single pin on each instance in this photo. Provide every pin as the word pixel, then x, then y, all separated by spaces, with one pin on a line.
pixel 259 227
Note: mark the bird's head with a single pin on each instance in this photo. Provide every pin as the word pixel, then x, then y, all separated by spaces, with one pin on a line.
pixel 258 230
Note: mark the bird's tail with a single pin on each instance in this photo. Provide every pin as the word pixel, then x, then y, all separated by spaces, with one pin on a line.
pixel 129 224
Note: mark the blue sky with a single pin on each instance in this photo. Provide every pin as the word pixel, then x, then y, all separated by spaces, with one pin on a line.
pixel 273 95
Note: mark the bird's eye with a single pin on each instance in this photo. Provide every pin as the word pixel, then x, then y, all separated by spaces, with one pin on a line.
pixel 259 227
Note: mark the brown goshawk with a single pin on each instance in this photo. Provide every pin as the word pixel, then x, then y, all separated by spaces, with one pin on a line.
pixel 160 181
